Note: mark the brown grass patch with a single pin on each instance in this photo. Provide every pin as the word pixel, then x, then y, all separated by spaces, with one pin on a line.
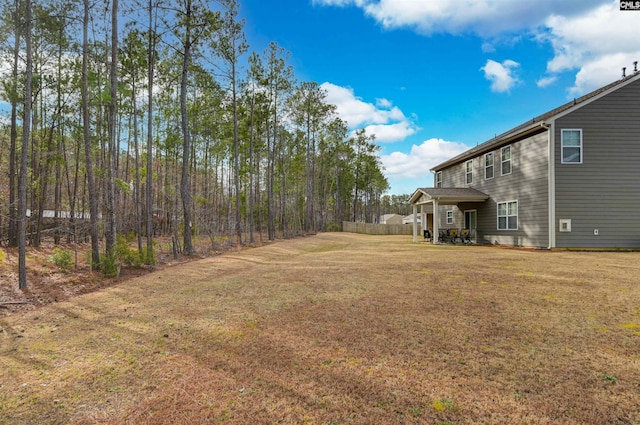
pixel 339 328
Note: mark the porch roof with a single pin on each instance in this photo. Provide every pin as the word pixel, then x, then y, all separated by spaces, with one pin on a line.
pixel 446 196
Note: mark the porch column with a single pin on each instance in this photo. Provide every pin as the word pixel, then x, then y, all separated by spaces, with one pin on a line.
pixel 423 219
pixel 436 221
pixel 415 223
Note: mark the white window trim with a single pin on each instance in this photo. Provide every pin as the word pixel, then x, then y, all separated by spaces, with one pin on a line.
pixel 509 161
pixel 438 179
pixel 468 176
pixel 449 216
pixel 493 165
pixel 562 161
pixel 498 215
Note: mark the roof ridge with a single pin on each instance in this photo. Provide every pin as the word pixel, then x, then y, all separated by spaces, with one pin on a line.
pixel 539 119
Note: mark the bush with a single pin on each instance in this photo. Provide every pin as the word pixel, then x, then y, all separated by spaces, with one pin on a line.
pixel 148 256
pixel 109 266
pixel 125 254
pixel 62 259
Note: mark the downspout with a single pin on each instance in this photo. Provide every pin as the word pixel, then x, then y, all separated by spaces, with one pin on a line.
pixel 552 184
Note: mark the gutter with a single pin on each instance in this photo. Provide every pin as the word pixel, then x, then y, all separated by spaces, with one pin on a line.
pixel 490 145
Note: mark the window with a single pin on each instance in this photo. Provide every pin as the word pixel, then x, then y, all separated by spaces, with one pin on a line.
pixel 505 154
pixel 488 166
pixel 450 217
pixel 439 179
pixel 508 215
pixel 468 167
pixel 571 146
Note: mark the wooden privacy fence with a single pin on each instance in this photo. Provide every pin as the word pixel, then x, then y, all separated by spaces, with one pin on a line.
pixel 377 229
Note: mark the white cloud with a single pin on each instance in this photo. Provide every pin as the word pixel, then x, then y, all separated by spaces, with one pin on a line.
pixel 421 159
pixel 592 38
pixel 387 122
pixel 391 132
pixel 601 71
pixel 546 81
pixel 483 17
pixel 383 103
pixel 502 75
pixel 488 47
pixel 597 44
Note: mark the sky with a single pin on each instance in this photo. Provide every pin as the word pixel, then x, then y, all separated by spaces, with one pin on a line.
pixel 433 78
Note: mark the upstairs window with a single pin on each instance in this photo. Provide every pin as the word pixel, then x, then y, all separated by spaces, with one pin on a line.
pixel 439 179
pixel 488 166
pixel 508 215
pixel 505 154
pixel 468 167
pixel 571 146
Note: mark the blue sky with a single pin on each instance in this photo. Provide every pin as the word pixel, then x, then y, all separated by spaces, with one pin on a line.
pixel 431 78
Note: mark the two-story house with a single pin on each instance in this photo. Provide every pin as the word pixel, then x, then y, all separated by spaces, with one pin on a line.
pixel 568 178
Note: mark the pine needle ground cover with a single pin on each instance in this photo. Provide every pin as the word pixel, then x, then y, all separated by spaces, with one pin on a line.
pixel 339 329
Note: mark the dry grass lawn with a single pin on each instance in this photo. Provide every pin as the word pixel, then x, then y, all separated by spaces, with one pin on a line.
pixel 339 329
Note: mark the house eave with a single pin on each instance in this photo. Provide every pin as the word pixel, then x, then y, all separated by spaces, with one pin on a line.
pixel 495 143
pixel 446 196
pixel 538 124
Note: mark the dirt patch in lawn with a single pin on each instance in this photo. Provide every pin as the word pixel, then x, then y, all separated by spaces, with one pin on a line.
pixel 48 282
pixel 338 328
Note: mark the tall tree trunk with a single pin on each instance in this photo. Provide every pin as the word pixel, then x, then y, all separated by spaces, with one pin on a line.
pixel 93 196
pixel 149 191
pixel 251 166
pixel 136 197
pixel 22 183
pixel 271 224
pixel 236 151
pixel 110 224
pixel 13 216
pixel 58 182
pixel 186 147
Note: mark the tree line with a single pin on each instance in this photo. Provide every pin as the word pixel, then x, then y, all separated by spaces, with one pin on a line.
pixel 155 118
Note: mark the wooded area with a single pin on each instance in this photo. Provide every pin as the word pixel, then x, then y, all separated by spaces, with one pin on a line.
pixel 154 117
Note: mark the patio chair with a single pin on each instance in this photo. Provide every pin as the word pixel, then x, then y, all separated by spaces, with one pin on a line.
pixel 465 236
pixel 427 234
pixel 453 235
pixel 443 236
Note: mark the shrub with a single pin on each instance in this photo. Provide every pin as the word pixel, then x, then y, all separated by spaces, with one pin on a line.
pixel 62 259
pixel 148 256
pixel 109 266
pixel 125 254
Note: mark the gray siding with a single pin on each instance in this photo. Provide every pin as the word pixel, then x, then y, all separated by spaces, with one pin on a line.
pixel 527 184
pixel 604 191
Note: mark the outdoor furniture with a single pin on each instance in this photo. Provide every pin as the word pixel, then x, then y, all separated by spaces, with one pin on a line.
pixel 427 234
pixel 465 236
pixel 448 235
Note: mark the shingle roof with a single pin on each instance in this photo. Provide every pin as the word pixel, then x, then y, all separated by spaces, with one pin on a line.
pixel 448 195
pixel 534 125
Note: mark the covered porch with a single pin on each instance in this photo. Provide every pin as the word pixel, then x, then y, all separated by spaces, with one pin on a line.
pixel 429 199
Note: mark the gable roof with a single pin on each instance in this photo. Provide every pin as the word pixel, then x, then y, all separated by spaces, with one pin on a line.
pixel 537 124
pixel 388 216
pixel 447 196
